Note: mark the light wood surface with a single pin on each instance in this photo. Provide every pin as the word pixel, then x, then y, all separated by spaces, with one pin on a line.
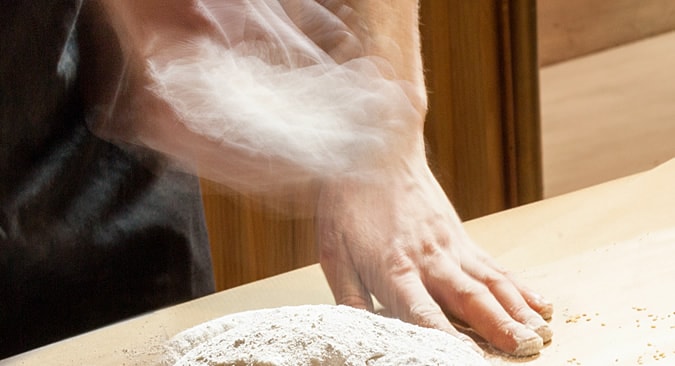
pixel 608 115
pixel 611 308
pixel 572 28
pixel 603 255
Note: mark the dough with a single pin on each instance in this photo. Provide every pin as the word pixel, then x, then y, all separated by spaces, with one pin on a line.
pixel 316 335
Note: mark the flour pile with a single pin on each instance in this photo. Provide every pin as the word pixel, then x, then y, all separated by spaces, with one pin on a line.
pixel 316 335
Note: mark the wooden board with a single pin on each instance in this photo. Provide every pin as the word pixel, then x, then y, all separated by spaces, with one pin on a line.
pixel 614 305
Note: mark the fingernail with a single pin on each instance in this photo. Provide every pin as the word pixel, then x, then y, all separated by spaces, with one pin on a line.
pixel 546 311
pixel 544 307
pixel 528 342
pixel 541 327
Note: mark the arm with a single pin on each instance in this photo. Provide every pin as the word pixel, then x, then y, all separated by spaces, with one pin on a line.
pixel 264 95
pixel 258 103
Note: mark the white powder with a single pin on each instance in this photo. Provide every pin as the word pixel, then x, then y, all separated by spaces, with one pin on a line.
pixel 316 335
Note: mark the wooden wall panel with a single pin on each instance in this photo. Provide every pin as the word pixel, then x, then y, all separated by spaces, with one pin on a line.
pixel 465 133
pixel 249 241
pixel 483 123
pixel 573 28
pixel 482 132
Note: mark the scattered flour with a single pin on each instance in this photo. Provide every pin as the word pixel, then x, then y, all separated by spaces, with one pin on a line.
pixel 316 335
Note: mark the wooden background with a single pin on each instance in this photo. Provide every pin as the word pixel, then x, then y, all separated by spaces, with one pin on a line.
pixel 482 131
pixel 572 28
pixel 606 89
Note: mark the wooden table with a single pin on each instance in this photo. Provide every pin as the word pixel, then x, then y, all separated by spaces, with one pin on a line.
pixel 603 255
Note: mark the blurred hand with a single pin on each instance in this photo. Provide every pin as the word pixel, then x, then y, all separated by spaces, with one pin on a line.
pixel 259 95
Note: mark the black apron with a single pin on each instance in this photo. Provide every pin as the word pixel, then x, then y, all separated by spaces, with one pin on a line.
pixel 90 233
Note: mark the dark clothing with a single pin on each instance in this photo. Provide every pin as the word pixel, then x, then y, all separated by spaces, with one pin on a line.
pixel 90 233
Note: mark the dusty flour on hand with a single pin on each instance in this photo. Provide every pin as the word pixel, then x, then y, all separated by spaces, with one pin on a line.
pixel 316 335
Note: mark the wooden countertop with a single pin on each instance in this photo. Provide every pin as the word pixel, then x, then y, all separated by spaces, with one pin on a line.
pixel 603 255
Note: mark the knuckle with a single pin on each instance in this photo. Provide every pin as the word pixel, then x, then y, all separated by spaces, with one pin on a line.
pixel 520 311
pixel 429 248
pixel 467 294
pixel 467 298
pixel 327 252
pixel 504 326
pixel 494 280
pixel 400 264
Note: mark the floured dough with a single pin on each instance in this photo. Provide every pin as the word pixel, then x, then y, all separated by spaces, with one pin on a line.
pixel 316 335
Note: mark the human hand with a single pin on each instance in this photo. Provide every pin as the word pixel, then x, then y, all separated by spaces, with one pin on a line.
pixel 401 240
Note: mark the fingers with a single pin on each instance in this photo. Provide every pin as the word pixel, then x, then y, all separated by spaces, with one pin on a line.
pixel 510 297
pixel 537 302
pixel 406 298
pixel 473 302
pixel 426 270
pixel 483 262
pixel 410 301
pixel 347 287
pixel 343 279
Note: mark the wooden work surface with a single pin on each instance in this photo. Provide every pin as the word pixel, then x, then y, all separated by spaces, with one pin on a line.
pixel 603 255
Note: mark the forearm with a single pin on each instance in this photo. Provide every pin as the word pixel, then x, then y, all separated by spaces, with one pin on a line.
pixel 206 95
pixel 393 27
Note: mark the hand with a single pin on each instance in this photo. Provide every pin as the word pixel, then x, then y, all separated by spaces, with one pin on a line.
pixel 401 240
